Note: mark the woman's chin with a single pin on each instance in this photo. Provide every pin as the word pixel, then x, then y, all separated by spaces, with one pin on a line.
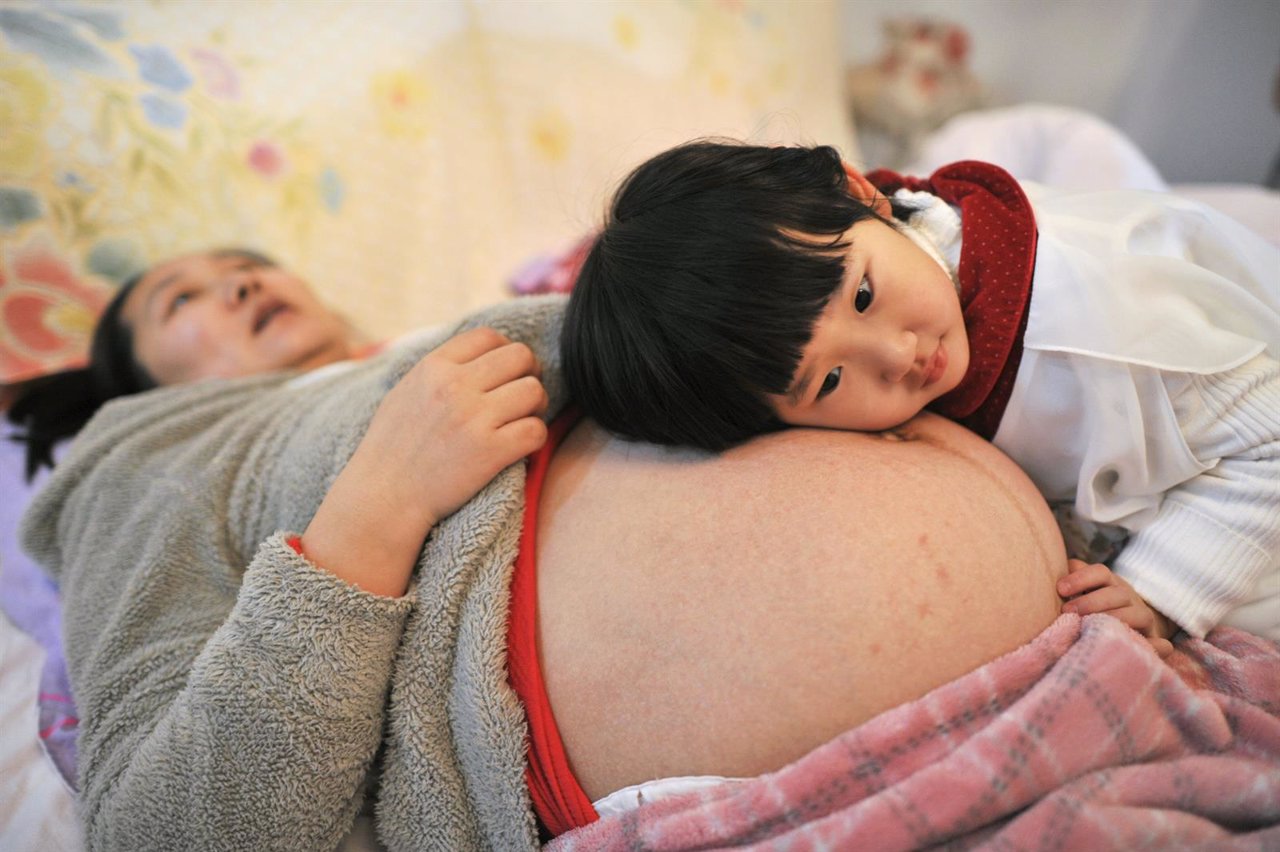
pixel 314 351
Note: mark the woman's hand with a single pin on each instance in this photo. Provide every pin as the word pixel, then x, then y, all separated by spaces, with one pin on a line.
pixel 464 412
pixel 1090 588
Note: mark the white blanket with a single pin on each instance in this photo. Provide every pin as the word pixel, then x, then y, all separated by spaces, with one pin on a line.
pixel 37 808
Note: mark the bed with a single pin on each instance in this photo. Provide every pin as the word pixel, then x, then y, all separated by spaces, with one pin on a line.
pixel 401 181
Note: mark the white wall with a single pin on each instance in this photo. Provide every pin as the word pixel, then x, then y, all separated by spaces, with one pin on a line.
pixel 1191 81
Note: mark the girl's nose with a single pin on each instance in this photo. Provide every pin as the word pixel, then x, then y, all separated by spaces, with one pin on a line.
pixel 898 356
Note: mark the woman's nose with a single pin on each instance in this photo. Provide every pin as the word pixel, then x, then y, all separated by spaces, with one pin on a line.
pixel 240 285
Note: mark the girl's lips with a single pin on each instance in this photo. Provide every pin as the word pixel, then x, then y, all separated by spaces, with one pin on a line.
pixel 937 366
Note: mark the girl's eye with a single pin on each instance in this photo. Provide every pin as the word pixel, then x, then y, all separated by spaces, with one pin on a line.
pixel 862 299
pixel 829 383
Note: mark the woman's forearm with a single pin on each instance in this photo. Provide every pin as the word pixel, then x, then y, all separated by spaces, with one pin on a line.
pixel 364 538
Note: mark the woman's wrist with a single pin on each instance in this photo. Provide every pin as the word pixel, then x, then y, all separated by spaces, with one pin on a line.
pixel 366 535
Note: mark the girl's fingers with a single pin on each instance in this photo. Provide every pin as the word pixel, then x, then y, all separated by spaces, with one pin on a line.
pixel 1162 647
pixel 1135 615
pixel 1105 599
pixel 1082 577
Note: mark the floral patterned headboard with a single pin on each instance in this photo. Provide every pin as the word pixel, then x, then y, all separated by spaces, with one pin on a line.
pixel 407 157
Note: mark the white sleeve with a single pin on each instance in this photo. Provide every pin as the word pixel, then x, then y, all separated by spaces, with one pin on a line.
pixel 1217 535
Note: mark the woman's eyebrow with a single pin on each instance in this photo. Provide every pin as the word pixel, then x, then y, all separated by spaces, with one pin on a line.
pixel 165 283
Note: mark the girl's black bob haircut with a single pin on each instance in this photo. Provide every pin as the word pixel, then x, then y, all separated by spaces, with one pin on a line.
pixel 702 290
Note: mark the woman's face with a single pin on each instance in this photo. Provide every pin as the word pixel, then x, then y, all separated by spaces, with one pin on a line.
pixel 225 314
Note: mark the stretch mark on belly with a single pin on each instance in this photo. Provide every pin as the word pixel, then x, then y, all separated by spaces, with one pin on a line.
pixel 904 433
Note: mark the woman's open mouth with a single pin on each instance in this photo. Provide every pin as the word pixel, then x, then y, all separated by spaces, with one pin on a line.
pixel 266 313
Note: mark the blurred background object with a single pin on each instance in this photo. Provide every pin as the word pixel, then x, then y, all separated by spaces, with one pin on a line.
pixel 1273 179
pixel 1189 81
pixel 919 80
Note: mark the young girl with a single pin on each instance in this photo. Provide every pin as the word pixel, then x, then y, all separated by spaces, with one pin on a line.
pixel 1120 346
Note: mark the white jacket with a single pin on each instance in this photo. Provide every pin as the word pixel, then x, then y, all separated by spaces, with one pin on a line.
pixel 1149 392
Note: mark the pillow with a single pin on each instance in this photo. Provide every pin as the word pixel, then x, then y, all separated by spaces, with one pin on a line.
pixel 47 310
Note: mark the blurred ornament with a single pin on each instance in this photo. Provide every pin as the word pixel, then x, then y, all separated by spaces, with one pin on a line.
pixel 920 81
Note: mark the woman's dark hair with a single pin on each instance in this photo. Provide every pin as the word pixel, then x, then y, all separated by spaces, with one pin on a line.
pixel 55 406
pixel 703 288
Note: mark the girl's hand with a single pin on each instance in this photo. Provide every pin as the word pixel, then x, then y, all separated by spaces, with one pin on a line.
pixel 464 412
pixel 1090 588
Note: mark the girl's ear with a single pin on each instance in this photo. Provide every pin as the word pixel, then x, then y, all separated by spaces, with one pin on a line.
pixel 862 189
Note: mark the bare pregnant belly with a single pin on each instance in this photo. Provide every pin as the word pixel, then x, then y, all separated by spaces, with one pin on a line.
pixel 724 615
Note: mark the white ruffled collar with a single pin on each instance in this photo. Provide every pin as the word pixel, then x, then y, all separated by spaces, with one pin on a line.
pixel 934 225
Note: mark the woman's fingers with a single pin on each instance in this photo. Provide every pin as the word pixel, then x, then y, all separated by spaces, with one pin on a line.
pixel 522 437
pixel 517 398
pixel 506 375
pixel 503 364
pixel 470 345
pixel 494 358
pixel 456 378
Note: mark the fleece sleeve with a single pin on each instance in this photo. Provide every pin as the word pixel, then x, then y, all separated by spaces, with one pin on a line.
pixel 1216 537
pixel 230 714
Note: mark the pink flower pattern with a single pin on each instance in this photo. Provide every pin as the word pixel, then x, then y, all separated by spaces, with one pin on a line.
pixel 218 75
pixel 266 159
pixel 46 313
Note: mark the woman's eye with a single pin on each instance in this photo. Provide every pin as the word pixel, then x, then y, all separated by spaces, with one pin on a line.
pixel 829 383
pixel 180 300
pixel 862 299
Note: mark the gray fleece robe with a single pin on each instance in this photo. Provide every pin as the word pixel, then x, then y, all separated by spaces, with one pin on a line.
pixel 232 695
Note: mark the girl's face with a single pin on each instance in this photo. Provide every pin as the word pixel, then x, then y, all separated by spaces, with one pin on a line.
pixel 227 314
pixel 890 341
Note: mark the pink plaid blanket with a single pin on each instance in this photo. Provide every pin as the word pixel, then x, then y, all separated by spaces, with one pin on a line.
pixel 1082 739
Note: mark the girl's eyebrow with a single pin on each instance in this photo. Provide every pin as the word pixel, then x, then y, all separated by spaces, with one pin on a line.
pixel 800 388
